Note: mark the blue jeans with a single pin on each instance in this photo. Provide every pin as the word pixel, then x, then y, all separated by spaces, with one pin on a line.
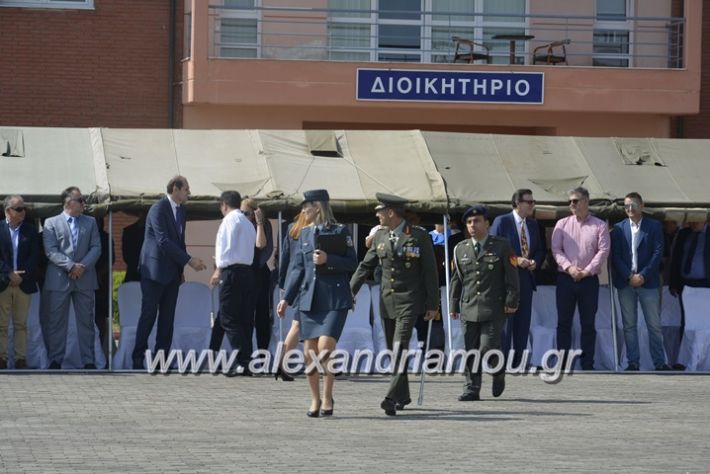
pixel 650 299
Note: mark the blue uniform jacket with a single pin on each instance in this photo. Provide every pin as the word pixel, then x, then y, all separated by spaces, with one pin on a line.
pixel 320 291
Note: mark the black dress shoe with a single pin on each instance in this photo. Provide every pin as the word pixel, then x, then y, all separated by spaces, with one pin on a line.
pixel 632 367
pixel 403 403
pixel 329 412
pixel 315 413
pixel 663 367
pixel 54 366
pixel 469 397
pixel 498 386
pixel 89 367
pixel 389 406
pixel 138 366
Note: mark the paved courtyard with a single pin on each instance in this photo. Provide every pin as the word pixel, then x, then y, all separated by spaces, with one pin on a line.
pixel 208 423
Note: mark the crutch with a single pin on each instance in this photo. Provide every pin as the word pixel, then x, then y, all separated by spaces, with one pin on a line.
pixel 420 400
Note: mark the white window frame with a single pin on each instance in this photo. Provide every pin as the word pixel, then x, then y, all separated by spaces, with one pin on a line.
pixel 241 15
pixel 370 21
pixel 616 25
pixel 49 4
pixel 420 52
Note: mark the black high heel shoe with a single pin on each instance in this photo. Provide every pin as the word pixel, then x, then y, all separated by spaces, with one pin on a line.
pixel 315 413
pixel 328 412
pixel 284 376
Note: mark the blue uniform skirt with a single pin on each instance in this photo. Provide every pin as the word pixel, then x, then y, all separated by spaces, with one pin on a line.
pixel 322 323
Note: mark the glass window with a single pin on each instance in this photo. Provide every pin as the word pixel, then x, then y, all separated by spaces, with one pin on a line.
pixel 238 38
pixel 75 4
pixel 506 7
pixel 349 35
pixel 399 10
pixel 500 49
pixel 453 10
pixel 611 48
pixel 400 36
pixel 240 3
pixel 611 10
pixel 337 6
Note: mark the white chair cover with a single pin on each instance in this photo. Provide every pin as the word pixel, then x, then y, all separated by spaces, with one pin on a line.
pixel 129 311
pixel 358 334
pixel 192 318
pixel 670 324
pixel 456 333
pixel 543 323
pixel 694 350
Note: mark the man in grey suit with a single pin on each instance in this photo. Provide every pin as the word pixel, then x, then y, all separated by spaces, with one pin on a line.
pixel 72 245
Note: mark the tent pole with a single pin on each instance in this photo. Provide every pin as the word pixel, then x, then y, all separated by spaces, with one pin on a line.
pixel 447 276
pixel 280 247
pixel 110 292
pixel 612 300
pixel 355 237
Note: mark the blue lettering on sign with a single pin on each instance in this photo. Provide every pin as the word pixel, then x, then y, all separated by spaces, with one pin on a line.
pixel 450 86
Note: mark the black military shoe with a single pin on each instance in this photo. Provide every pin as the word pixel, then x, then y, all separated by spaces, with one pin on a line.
pixel 498 386
pixel 389 406
pixel 469 397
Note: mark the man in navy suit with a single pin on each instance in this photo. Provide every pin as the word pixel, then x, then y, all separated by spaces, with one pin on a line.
pixel 636 253
pixel 163 258
pixel 72 245
pixel 523 233
pixel 19 253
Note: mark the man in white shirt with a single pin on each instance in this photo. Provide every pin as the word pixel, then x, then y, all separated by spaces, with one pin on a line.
pixel 234 253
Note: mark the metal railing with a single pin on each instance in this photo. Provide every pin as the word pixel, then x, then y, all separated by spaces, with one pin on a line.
pixel 426 36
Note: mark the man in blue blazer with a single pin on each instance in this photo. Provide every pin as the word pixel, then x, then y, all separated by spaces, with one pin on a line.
pixel 523 232
pixel 636 253
pixel 19 253
pixel 163 258
pixel 72 245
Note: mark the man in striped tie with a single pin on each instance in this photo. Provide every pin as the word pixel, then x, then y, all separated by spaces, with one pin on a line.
pixel 524 235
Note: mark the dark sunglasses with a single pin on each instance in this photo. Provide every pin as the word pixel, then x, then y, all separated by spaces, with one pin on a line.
pixel 81 200
pixel 19 209
pixel 573 201
pixel 633 205
pixel 529 201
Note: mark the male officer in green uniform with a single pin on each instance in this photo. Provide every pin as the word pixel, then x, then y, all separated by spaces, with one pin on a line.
pixel 484 289
pixel 409 286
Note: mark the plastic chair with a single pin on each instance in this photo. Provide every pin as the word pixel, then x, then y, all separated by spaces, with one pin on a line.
pixel 543 323
pixel 192 317
pixel 129 311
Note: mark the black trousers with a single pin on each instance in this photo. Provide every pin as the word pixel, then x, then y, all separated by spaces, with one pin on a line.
pixel 583 295
pixel 236 310
pixel 158 301
pixel 262 306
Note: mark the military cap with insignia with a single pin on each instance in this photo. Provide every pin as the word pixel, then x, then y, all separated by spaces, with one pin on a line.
pixel 389 201
pixel 316 195
pixel 475 210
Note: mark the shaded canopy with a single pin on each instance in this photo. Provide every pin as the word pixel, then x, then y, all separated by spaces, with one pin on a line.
pixel 128 168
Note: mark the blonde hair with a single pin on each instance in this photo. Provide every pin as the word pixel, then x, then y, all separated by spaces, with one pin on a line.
pixel 299 222
pixel 325 214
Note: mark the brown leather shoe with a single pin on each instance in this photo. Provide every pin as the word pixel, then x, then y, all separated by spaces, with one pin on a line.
pixel 20 364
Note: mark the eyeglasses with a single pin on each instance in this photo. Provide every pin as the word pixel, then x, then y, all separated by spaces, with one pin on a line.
pixel 79 199
pixel 633 205
pixel 573 201
pixel 18 209
pixel 248 213
pixel 528 201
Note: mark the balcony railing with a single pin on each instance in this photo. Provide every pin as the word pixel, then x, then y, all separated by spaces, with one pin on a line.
pixel 426 36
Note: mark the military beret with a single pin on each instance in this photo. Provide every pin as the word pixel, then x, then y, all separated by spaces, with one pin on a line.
pixel 389 200
pixel 316 195
pixel 475 210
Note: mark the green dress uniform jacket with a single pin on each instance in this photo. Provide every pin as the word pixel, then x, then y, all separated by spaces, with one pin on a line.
pixel 410 284
pixel 482 286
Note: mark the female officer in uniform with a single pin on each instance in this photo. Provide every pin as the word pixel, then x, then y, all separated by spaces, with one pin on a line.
pixel 288 250
pixel 320 283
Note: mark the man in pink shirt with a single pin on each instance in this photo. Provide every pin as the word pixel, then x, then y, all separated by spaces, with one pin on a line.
pixel 580 245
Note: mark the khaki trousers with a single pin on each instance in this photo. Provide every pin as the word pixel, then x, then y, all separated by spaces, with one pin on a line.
pixel 15 304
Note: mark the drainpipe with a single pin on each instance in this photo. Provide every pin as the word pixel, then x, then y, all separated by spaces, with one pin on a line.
pixel 171 64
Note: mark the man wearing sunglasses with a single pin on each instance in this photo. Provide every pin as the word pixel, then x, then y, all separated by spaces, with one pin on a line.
pixel 19 253
pixel 636 252
pixel 72 245
pixel 580 245
pixel 523 233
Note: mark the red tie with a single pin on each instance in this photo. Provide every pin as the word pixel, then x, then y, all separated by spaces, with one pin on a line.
pixel 524 240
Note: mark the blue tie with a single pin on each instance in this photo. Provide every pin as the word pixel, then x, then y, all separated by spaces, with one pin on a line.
pixel 74 231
